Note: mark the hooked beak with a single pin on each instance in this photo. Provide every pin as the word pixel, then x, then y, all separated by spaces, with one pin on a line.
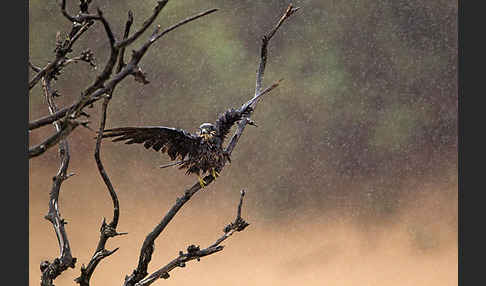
pixel 205 134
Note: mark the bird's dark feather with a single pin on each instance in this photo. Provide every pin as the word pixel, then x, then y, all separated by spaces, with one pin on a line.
pixel 175 142
pixel 203 155
pixel 227 119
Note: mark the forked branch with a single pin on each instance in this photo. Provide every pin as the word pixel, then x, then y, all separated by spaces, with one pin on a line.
pixel 195 253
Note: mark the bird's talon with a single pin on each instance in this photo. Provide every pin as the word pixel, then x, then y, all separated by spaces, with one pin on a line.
pixel 215 174
pixel 202 183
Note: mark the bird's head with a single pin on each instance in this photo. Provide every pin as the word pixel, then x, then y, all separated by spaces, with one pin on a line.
pixel 207 131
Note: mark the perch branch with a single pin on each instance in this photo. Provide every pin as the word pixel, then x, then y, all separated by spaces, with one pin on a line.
pixel 195 253
pixel 259 79
pixel 148 245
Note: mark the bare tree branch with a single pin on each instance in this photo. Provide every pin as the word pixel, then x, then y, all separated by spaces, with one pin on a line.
pixel 148 245
pixel 63 48
pixel 86 56
pixel 106 230
pixel 263 52
pixel 65 13
pixel 34 68
pixel 195 253
pixel 41 73
pixel 138 54
pixel 87 98
pixel 51 270
pixel 146 24
pixel 121 59
pixel 108 69
pixel 64 120
pixel 259 78
pixel 65 128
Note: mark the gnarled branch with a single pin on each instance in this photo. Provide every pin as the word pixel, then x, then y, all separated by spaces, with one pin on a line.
pixel 92 94
pixel 195 253
pixel 51 270
pixel 106 230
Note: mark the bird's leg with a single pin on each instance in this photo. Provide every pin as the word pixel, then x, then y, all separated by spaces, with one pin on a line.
pixel 214 173
pixel 202 183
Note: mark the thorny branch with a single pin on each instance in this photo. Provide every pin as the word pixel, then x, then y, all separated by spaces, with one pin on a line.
pixel 195 253
pixel 65 128
pixel 51 270
pixel 148 245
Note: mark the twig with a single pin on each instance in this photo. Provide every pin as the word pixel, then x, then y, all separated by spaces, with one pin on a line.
pixel 34 68
pixel 128 25
pixel 139 53
pixel 146 24
pixel 195 253
pixel 263 52
pixel 65 13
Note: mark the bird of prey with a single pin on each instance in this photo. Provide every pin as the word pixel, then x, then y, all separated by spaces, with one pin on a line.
pixel 198 153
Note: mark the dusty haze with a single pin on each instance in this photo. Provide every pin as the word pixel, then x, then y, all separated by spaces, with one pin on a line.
pixel 311 246
pixel 351 176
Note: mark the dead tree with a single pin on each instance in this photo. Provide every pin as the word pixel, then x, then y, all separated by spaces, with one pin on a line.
pixel 68 118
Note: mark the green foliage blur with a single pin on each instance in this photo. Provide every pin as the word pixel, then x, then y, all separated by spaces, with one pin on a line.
pixel 366 112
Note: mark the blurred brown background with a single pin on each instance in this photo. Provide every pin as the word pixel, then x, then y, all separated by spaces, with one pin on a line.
pixel 351 176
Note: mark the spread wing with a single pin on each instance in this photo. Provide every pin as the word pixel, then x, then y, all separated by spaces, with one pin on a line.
pixel 227 119
pixel 175 142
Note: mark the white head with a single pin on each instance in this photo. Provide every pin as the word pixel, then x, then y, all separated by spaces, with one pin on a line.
pixel 207 130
